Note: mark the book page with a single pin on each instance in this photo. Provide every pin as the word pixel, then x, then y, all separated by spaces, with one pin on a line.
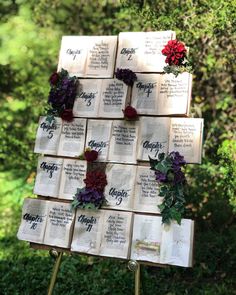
pixel 144 94
pixel 59 224
pixel 72 138
pixel 87 98
pixel 174 94
pixel 73 55
pixel 177 242
pixel 146 197
pixel 48 136
pixel 146 240
pixel 129 50
pixel 186 138
pixel 123 144
pixel 73 174
pixel 33 220
pixel 48 176
pixel 113 98
pixel 154 134
pixel 116 234
pixel 98 137
pixel 87 231
pixel 152 59
pixel 101 56
pixel 120 188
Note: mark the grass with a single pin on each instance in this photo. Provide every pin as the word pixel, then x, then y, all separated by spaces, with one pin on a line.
pixel 27 272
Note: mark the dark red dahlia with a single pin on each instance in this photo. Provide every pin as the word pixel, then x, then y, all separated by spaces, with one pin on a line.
pixel 91 156
pixel 130 113
pixel 175 52
pixel 67 115
pixel 96 180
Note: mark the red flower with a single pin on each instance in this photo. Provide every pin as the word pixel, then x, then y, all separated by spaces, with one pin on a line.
pixel 67 115
pixel 96 180
pixel 175 52
pixel 91 156
pixel 130 113
pixel 54 78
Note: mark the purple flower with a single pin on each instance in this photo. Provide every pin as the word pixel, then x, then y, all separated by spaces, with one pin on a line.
pixel 126 75
pixel 179 177
pixel 89 195
pixel 160 177
pixel 177 159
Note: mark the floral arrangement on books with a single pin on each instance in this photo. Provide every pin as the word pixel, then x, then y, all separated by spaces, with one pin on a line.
pixel 92 195
pixel 62 95
pixel 130 113
pixel 176 58
pixel 126 75
pixel 89 155
pixel 171 179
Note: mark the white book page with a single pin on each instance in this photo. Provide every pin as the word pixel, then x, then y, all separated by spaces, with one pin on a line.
pixel 72 138
pixel 59 224
pixel 177 242
pixel 113 98
pixel 146 240
pixel 48 136
pixel 129 50
pixel 120 186
pixel 146 197
pixel 186 138
pixel 174 94
pixel 73 55
pixel 144 94
pixel 123 144
pixel 101 56
pixel 87 98
pixel 116 234
pixel 87 231
pixel 98 137
pixel 154 134
pixel 73 174
pixel 152 59
pixel 33 220
pixel 48 176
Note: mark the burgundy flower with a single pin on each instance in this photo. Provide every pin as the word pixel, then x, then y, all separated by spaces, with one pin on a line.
pixel 96 180
pixel 67 115
pixel 175 52
pixel 130 113
pixel 126 75
pixel 54 78
pixel 91 156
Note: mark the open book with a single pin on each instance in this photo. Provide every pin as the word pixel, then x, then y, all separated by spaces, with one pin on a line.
pixel 88 56
pixel 102 232
pixel 60 137
pixel 123 143
pixel 163 244
pixel 162 94
pixel 141 51
pixel 46 222
pixel 98 137
pixel 103 98
pixel 183 135
pixel 59 178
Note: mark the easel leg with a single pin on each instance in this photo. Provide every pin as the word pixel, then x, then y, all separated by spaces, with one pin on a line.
pixel 55 270
pixel 134 266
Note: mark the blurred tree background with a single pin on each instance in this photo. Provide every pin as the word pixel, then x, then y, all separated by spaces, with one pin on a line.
pixel 30 35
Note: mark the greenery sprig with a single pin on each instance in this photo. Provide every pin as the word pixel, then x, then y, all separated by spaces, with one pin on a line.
pixel 171 180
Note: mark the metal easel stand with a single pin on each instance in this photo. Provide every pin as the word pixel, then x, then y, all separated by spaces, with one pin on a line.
pixel 134 266
pixel 57 255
